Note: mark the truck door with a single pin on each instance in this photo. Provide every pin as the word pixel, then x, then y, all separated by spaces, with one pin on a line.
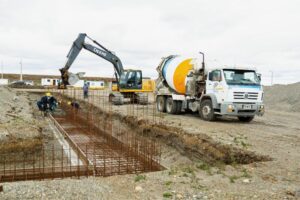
pixel 214 79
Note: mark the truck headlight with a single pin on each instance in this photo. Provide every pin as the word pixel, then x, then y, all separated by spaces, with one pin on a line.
pixel 230 108
pixel 261 108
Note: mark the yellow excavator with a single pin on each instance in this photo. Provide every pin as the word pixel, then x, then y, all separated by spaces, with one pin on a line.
pixel 129 83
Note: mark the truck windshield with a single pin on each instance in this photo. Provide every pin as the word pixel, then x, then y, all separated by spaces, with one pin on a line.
pixel 244 77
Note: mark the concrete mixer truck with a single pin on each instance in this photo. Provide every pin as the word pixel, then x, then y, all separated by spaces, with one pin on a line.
pixel 186 84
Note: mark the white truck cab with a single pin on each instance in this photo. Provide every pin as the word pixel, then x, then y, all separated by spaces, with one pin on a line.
pixel 235 91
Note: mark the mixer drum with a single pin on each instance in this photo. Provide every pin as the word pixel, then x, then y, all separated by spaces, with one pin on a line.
pixel 175 71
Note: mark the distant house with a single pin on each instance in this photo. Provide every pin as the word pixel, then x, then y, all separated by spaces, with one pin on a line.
pixel 50 82
pixel 92 84
pixel 3 81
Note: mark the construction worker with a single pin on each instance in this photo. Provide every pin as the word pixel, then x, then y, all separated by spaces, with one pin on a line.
pixel 85 90
pixel 74 104
pixel 47 102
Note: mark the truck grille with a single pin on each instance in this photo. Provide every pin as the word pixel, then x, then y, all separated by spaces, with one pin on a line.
pixel 245 95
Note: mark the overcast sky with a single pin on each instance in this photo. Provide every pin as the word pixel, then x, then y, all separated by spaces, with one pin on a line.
pixel 259 33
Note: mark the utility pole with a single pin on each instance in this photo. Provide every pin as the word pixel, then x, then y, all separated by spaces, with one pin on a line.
pixel 21 74
pixel 1 69
pixel 272 76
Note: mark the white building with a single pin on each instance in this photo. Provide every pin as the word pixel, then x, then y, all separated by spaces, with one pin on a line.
pixel 92 84
pixel 3 81
pixel 49 81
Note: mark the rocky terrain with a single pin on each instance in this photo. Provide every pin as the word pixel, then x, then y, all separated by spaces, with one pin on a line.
pixel 283 97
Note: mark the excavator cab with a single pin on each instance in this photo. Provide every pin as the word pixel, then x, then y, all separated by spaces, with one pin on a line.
pixel 131 79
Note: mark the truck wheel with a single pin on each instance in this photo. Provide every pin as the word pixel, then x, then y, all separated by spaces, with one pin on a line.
pixel 206 111
pixel 161 103
pixel 179 106
pixel 171 106
pixel 246 119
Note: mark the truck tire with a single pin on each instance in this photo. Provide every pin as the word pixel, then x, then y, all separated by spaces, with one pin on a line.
pixel 179 106
pixel 161 103
pixel 246 119
pixel 207 111
pixel 171 106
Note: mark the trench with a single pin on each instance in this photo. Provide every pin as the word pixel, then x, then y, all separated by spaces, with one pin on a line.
pixel 89 146
pixel 107 152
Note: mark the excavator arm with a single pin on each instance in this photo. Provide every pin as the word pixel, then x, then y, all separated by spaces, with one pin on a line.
pixel 70 78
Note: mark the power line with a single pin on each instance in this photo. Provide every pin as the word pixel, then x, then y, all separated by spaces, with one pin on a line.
pixel 21 74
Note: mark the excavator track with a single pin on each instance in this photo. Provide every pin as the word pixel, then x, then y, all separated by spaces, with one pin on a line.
pixel 116 98
pixel 141 98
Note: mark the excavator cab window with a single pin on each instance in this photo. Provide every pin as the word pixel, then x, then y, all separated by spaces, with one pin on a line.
pixel 131 80
pixel 139 78
pixel 131 76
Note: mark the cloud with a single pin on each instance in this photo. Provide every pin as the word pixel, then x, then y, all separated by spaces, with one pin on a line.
pixel 263 34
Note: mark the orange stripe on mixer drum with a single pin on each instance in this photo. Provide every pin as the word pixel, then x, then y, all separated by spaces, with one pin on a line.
pixel 180 75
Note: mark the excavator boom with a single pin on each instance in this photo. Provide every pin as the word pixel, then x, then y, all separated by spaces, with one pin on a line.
pixel 78 44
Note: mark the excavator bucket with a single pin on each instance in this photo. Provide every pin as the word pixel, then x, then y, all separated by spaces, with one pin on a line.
pixel 74 78
pixel 69 78
pixel 64 77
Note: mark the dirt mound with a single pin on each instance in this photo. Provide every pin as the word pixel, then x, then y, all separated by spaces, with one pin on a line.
pixel 198 146
pixel 24 86
pixel 19 130
pixel 283 97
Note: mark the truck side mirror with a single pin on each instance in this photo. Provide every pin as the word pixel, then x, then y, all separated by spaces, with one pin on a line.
pixel 259 77
pixel 210 76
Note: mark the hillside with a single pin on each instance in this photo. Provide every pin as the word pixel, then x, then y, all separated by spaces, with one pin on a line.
pixel 283 97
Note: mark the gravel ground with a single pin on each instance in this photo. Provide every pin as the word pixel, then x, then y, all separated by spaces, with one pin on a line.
pixel 151 186
pixel 276 135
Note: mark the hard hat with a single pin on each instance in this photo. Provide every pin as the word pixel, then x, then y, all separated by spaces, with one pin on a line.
pixel 48 94
pixel 69 102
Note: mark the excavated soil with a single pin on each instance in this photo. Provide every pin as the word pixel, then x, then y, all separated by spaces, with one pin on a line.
pixel 20 130
pixel 24 131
